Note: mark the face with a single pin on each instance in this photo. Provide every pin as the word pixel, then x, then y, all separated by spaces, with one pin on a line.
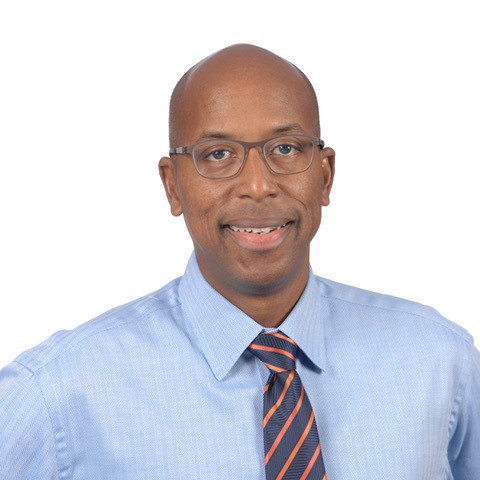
pixel 252 232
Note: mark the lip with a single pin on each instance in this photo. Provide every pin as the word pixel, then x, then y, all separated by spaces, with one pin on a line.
pixel 257 222
pixel 258 241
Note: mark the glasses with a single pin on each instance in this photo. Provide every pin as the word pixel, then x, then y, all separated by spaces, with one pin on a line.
pixel 224 158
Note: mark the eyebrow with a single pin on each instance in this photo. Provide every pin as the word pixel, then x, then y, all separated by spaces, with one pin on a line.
pixel 291 127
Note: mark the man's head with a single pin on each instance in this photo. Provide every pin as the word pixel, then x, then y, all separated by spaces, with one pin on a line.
pixel 231 54
pixel 248 94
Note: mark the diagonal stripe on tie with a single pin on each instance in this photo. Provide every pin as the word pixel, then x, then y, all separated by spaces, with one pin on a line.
pixel 292 447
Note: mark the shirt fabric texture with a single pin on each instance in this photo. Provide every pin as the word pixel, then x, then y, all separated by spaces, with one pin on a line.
pixel 164 388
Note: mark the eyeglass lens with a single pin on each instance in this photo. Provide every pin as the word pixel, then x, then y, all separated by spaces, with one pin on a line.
pixel 224 158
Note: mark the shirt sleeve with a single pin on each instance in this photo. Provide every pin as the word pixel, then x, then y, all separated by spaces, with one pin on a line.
pixel 27 444
pixel 464 448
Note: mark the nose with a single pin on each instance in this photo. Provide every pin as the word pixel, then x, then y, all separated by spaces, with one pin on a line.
pixel 256 180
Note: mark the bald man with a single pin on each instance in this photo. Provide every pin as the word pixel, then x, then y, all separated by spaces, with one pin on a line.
pixel 248 366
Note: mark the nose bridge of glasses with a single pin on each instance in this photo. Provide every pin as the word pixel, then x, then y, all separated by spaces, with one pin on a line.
pixel 256 179
pixel 261 161
pixel 256 146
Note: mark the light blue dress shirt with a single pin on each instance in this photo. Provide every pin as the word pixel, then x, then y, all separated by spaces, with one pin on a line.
pixel 163 388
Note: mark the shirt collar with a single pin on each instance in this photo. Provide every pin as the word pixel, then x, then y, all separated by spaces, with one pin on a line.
pixel 306 325
pixel 223 332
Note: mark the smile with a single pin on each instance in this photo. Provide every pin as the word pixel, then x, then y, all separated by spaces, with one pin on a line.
pixel 259 238
pixel 255 230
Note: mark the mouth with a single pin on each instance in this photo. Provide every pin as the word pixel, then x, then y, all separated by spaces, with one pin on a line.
pixel 256 230
pixel 258 236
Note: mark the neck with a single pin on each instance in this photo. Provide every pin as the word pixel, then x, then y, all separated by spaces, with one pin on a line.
pixel 269 311
pixel 266 303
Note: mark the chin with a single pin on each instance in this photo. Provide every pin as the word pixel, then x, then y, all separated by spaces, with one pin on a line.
pixel 266 281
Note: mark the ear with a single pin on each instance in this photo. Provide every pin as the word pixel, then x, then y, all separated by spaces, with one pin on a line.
pixel 328 170
pixel 167 172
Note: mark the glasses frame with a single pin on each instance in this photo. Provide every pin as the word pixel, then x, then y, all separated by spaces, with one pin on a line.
pixel 246 147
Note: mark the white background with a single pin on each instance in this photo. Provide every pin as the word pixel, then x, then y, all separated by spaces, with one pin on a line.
pixel 84 94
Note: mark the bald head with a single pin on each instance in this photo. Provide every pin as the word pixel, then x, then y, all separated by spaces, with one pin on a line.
pixel 229 73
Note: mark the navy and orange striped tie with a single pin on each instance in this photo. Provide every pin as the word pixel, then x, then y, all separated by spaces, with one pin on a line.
pixel 292 447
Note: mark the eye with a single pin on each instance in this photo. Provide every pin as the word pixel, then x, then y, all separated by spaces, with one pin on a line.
pixel 217 155
pixel 216 152
pixel 285 149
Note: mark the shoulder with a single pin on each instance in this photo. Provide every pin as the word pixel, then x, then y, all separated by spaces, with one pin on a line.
pixel 377 310
pixel 396 338
pixel 108 327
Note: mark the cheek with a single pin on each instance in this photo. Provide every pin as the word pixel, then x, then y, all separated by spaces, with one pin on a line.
pixel 198 202
pixel 200 206
pixel 315 213
pixel 310 195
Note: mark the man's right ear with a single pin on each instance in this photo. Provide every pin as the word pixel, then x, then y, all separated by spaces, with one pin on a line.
pixel 167 172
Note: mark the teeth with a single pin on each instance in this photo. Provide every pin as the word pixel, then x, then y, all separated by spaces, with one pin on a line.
pixel 257 231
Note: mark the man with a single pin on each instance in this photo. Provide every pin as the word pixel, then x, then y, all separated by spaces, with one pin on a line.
pixel 249 366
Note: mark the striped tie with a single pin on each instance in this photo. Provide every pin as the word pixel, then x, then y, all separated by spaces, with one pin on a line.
pixel 292 448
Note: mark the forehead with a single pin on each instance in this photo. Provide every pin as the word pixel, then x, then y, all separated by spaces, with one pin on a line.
pixel 245 97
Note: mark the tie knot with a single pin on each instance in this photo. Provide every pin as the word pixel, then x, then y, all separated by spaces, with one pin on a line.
pixel 277 351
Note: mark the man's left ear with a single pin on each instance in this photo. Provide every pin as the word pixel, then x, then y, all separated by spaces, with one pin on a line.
pixel 328 170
